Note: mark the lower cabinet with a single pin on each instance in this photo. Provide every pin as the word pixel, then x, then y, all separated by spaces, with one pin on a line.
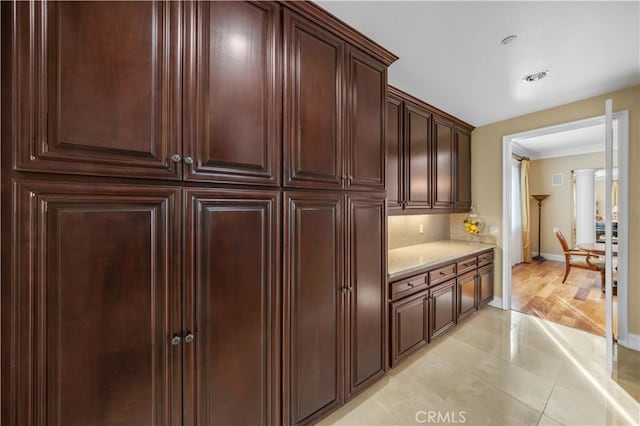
pixel 467 295
pixel 409 326
pixel 108 330
pixel 485 285
pixel 443 308
pixel 427 305
pixel 335 316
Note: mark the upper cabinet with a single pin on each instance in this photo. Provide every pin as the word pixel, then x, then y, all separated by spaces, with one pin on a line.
pixel 96 88
pixel 334 110
pixel 429 157
pixel 313 104
pixel 232 110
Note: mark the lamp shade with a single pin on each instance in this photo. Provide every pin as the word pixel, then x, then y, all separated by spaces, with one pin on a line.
pixel 540 197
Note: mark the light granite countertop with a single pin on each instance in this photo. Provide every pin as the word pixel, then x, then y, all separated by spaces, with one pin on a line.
pixel 403 261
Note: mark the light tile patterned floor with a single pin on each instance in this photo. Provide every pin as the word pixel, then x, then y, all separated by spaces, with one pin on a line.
pixel 503 368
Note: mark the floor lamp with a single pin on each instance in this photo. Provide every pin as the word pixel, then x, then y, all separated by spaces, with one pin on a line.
pixel 539 198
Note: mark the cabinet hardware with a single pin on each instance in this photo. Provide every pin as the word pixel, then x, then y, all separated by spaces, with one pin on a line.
pixel 175 340
pixel 410 284
pixel 442 273
pixel 176 158
pixel 344 177
pixel 189 337
pixel 349 179
pixel 188 160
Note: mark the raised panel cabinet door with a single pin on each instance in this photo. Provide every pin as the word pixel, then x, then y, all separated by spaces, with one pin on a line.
pixel 231 305
pixel 233 102
pixel 367 299
pixel 467 295
pixel 463 169
pixel 485 285
pixel 409 326
pixel 443 308
pixel 313 105
pixel 395 152
pixel 443 167
pixel 95 303
pixel 97 88
pixel 417 157
pixel 367 90
pixel 313 302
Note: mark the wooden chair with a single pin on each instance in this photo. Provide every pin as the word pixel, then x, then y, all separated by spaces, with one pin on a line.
pixel 579 259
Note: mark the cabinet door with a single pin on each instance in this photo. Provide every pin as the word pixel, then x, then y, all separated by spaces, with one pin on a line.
pixel 97 88
pixel 395 152
pixel 313 105
pixel 467 295
pixel 443 308
pixel 313 305
pixel 409 326
pixel 95 303
pixel 366 318
pixel 443 167
pixel 233 103
pixel 231 304
pixel 463 170
pixel 367 91
pixel 485 285
pixel 417 157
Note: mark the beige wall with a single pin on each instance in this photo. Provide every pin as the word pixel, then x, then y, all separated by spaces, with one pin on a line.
pixel 487 173
pixel 557 209
pixel 404 231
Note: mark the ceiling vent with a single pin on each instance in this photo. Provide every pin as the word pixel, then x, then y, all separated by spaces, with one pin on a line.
pixel 536 76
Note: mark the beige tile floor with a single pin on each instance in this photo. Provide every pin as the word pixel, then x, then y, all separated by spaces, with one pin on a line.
pixel 503 368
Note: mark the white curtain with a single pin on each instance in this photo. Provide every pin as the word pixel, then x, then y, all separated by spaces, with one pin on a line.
pixel 516 214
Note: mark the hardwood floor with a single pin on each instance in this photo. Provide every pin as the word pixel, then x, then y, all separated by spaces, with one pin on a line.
pixel 537 290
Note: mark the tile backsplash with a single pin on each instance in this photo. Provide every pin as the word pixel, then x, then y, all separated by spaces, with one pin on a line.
pixel 404 231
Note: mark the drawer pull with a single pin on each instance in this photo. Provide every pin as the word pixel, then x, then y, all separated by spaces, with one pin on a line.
pixel 410 284
pixel 442 274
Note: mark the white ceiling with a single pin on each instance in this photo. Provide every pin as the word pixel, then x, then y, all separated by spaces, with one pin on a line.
pixel 570 142
pixel 451 56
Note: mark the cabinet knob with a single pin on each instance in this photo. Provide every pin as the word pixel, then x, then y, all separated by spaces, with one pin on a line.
pixel 189 337
pixel 349 179
pixel 188 160
pixel 176 158
pixel 344 177
pixel 175 340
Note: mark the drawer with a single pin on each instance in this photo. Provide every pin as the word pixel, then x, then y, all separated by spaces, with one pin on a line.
pixel 442 274
pixel 409 286
pixel 467 265
pixel 485 258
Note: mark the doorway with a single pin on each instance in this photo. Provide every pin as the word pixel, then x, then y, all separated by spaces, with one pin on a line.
pixel 513 144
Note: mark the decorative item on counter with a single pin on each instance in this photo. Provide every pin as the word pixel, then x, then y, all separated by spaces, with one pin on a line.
pixel 473 224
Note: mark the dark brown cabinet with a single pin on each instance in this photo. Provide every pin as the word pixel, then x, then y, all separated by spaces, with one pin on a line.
pixel 366 295
pixel 334 111
pixel 332 303
pixel 366 100
pixel 417 159
pixel 395 152
pixel 232 94
pixel 467 295
pixel 99 299
pixel 429 157
pixel 313 104
pixel 443 308
pixel 427 305
pixel 485 285
pixel 463 169
pixel 231 298
pixel 443 164
pixel 409 326
pixel 314 290
pixel 97 88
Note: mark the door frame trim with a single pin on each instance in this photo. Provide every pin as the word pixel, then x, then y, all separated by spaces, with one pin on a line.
pixel 623 209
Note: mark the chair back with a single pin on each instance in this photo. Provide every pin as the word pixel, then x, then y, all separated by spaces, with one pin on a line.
pixel 563 241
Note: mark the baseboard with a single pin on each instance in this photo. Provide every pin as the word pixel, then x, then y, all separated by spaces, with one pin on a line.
pixel 632 342
pixel 554 257
pixel 496 302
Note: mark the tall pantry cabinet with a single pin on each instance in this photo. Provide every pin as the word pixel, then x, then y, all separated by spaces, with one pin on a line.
pixel 161 162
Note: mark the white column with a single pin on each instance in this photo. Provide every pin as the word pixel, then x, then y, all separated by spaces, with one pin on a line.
pixel 585 206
